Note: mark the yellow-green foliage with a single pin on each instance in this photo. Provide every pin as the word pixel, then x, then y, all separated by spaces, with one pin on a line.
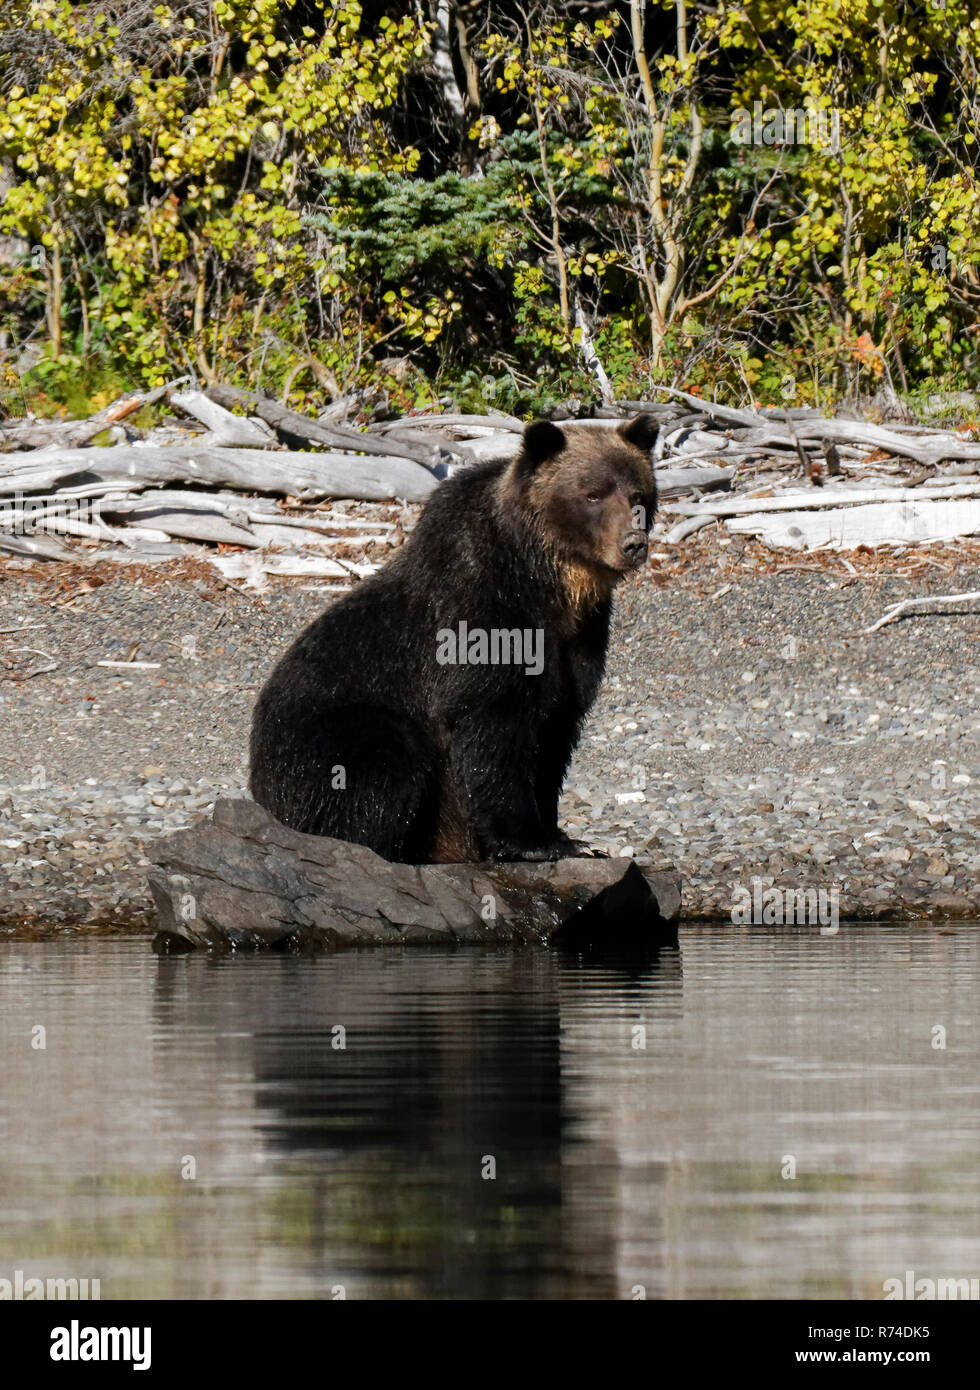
pixel 193 171
pixel 261 190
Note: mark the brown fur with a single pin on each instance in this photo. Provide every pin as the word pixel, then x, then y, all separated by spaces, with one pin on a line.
pixel 585 586
pixel 455 842
pixel 585 542
pixel 452 763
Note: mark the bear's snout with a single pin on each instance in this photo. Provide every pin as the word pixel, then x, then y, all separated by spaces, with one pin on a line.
pixel 634 546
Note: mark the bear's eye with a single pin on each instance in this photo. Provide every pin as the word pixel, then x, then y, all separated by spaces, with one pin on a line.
pixel 593 497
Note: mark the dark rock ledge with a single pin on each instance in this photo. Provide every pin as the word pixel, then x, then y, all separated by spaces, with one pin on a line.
pixel 243 881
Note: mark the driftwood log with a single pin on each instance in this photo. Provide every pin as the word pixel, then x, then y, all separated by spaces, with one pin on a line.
pixel 163 491
pixel 296 430
pixel 34 547
pixel 846 528
pixel 820 498
pixel 922 444
pixel 225 428
pixel 304 475
pixel 243 881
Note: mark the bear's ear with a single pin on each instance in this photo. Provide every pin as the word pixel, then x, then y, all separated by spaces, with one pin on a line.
pixel 641 431
pixel 542 440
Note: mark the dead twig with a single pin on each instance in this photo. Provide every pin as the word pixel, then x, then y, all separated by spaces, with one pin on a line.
pixel 26 675
pixel 907 605
pixel 131 665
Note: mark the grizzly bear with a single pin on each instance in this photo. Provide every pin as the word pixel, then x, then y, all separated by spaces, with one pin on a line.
pixel 431 713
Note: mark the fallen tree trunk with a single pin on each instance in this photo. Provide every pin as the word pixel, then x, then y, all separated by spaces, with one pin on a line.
pixel 816 499
pixel 34 547
pixel 293 428
pixel 878 523
pixel 226 428
pixel 305 475
pixel 191 523
pixel 243 881
pixel 811 431
pixel 253 566
pixel 452 421
pixel 683 529
pixel 673 481
pixel 291 532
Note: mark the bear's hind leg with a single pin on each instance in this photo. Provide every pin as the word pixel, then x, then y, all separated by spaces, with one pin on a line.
pixel 361 773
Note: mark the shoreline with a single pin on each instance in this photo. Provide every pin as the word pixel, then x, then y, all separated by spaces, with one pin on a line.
pixel 746 728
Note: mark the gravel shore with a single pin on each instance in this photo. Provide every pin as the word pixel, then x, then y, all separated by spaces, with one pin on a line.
pixel 746 729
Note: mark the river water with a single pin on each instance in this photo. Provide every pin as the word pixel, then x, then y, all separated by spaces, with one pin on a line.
pixel 762 1113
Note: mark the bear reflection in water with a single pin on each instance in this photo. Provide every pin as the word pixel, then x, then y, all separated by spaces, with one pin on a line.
pixel 445 1150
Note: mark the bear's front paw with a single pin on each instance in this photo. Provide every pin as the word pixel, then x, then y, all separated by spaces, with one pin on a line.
pixel 561 847
pixel 581 849
pixel 575 849
pixel 535 854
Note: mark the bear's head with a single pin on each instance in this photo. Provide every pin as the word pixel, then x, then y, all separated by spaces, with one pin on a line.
pixel 592 495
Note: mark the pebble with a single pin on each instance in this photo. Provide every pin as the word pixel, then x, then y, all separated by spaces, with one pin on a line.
pixel 714 829
pixel 98 875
